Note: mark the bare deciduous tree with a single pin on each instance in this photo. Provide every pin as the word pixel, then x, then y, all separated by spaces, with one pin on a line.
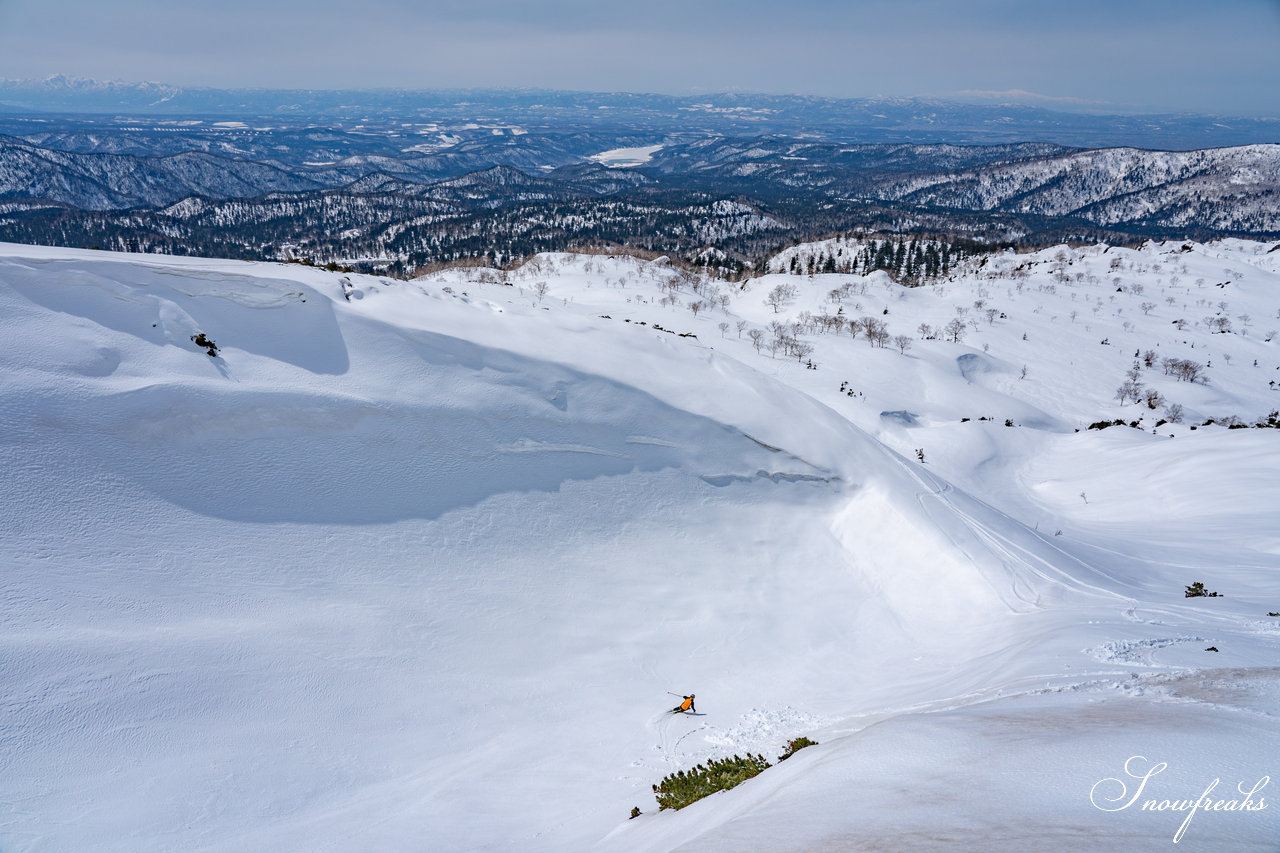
pixel 1220 325
pixel 780 297
pixel 1184 369
pixel 876 331
pixel 1128 390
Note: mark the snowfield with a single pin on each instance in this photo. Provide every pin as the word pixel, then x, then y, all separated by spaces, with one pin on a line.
pixel 618 158
pixel 414 566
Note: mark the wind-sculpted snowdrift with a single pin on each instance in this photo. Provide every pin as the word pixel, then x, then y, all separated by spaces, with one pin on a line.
pixel 410 566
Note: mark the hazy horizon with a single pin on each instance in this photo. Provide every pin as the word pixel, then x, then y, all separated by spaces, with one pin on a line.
pixel 1140 57
pixel 960 98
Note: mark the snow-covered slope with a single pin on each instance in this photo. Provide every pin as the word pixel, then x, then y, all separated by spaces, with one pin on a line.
pixel 1113 185
pixel 414 566
pixel 111 181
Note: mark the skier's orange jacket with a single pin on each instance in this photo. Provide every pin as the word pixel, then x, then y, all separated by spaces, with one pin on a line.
pixel 687 703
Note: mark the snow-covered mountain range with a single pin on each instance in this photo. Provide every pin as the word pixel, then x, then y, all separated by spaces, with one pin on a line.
pixel 299 560
pixel 516 194
pixel 1230 189
pixel 1226 188
pixel 917 120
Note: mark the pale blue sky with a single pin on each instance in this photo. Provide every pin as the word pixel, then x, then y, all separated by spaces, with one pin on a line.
pixel 1121 55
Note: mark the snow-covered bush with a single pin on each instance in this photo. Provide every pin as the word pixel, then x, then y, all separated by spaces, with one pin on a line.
pixel 202 341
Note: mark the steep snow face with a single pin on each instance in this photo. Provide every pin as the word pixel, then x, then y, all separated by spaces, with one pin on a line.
pixel 417 564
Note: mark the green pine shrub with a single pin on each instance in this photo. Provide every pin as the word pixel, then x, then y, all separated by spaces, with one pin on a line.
pixel 686 787
pixel 795 746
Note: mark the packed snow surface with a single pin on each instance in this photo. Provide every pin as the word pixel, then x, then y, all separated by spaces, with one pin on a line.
pixel 416 566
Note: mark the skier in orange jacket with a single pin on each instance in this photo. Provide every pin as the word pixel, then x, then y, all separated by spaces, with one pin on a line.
pixel 686 705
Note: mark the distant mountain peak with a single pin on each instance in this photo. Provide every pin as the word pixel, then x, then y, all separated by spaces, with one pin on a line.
pixel 86 84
